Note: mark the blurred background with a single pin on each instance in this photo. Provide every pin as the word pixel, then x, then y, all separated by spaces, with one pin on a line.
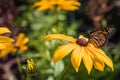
pixel 21 17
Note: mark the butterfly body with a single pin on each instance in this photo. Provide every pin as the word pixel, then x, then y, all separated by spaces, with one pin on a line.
pixel 99 37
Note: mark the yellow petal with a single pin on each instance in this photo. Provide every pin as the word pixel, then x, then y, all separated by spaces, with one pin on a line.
pixel 67 4
pixel 76 57
pixel 4 30
pixel 62 51
pixel 4 53
pixel 8 48
pixel 43 5
pixel 23 48
pixel 25 40
pixel 87 59
pixel 99 54
pixel 4 45
pixel 4 39
pixel 106 59
pixel 36 4
pixel 19 39
pixel 60 37
pixel 99 65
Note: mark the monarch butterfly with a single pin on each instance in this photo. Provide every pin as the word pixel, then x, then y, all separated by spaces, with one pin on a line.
pixel 99 37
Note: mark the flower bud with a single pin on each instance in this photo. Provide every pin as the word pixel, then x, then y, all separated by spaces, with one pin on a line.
pixel 31 66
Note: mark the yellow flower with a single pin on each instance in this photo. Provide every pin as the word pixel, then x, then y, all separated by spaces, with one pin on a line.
pixel 81 51
pixel 57 4
pixel 31 66
pixel 19 45
pixel 21 41
pixel 4 41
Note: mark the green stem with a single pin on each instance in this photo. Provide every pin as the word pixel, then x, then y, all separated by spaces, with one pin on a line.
pixel 56 13
pixel 28 77
pixel 57 17
pixel 64 72
pixel 19 67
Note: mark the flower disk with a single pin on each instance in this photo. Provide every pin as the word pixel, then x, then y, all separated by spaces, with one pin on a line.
pixel 81 42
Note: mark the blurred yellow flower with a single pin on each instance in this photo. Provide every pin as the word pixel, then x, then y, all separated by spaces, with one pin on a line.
pixel 57 4
pixel 31 66
pixel 21 41
pixel 81 51
pixel 19 45
pixel 4 41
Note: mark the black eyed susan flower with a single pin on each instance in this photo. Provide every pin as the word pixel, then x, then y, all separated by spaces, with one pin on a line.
pixel 80 50
pixel 57 4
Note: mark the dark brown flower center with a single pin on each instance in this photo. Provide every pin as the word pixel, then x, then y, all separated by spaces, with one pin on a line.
pixel 81 41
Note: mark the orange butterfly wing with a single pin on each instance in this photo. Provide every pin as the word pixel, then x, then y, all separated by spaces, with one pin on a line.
pixel 99 37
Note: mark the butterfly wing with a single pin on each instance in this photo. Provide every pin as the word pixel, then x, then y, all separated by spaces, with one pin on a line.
pixel 97 39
